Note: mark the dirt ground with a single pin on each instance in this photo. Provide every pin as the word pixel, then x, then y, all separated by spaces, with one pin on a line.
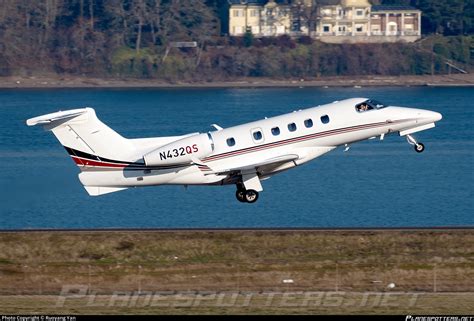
pixel 266 271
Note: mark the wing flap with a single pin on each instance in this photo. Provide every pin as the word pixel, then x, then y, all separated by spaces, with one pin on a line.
pixel 253 166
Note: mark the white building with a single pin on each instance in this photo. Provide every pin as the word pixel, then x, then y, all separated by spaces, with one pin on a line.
pixel 336 22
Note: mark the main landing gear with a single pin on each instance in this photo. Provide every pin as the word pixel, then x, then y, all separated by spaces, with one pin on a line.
pixel 246 195
pixel 419 147
pixel 248 187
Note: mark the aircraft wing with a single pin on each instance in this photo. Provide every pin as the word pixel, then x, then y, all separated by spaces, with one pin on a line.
pixel 251 167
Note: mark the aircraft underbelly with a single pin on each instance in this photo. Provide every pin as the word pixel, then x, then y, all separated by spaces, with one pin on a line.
pixel 190 175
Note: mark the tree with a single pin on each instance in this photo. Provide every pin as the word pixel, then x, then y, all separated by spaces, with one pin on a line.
pixel 305 16
pixel 191 22
pixel 248 38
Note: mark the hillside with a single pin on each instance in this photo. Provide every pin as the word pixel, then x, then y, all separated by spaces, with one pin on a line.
pixel 130 38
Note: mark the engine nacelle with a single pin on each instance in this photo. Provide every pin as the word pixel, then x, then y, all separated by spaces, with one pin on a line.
pixel 182 151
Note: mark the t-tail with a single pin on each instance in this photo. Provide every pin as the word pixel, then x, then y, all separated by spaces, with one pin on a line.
pixel 89 142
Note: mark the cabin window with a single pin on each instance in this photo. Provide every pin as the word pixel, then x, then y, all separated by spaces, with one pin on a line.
pixel 325 119
pixel 292 127
pixel 230 142
pixel 308 123
pixel 276 131
pixel 257 135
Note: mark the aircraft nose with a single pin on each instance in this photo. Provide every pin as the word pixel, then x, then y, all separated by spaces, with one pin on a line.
pixel 436 116
pixel 431 115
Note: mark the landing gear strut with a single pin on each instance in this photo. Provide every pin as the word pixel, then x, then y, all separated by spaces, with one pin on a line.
pixel 246 195
pixel 419 147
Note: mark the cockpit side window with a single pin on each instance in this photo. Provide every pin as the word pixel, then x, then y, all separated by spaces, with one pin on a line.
pixel 363 107
pixel 376 104
pixel 369 104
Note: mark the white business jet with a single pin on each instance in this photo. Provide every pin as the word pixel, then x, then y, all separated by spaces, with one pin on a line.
pixel 243 155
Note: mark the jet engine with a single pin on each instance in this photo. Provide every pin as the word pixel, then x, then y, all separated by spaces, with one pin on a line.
pixel 182 151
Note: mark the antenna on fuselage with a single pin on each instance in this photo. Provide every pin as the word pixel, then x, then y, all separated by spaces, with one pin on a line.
pixel 217 127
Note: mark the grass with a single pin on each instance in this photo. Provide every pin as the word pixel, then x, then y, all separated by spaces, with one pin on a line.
pixel 248 303
pixel 34 267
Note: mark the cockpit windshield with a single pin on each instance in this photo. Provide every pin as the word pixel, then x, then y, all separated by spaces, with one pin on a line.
pixel 369 104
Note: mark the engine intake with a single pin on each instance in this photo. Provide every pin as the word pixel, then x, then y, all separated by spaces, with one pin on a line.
pixel 182 151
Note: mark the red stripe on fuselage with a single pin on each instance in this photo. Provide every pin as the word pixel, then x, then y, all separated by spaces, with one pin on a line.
pixel 77 160
pixel 88 162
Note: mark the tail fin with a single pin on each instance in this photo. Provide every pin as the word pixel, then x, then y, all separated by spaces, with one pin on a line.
pixel 88 140
pixel 80 130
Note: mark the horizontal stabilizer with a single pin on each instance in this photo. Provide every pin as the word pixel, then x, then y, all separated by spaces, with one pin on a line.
pixel 101 190
pixel 60 115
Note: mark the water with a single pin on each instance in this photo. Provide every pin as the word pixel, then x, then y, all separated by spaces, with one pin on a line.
pixel 374 184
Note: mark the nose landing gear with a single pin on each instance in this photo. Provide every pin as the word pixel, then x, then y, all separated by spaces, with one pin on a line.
pixel 419 147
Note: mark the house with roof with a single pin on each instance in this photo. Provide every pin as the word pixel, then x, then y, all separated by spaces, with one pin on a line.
pixel 262 18
pixel 395 21
pixel 332 21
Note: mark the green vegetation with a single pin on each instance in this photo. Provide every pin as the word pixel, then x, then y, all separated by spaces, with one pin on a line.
pixel 131 38
pixel 286 58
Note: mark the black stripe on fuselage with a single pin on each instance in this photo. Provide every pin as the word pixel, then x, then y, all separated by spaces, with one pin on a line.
pixel 130 165
pixel 78 153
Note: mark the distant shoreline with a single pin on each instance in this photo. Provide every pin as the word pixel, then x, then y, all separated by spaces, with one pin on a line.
pixel 362 81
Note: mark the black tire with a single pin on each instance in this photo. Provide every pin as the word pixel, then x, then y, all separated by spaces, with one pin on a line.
pixel 240 195
pixel 251 196
pixel 419 148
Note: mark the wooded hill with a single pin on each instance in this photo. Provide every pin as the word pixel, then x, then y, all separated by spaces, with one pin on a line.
pixel 131 38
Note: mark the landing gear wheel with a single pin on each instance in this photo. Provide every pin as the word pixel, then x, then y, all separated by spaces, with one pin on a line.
pixel 251 196
pixel 419 147
pixel 240 195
